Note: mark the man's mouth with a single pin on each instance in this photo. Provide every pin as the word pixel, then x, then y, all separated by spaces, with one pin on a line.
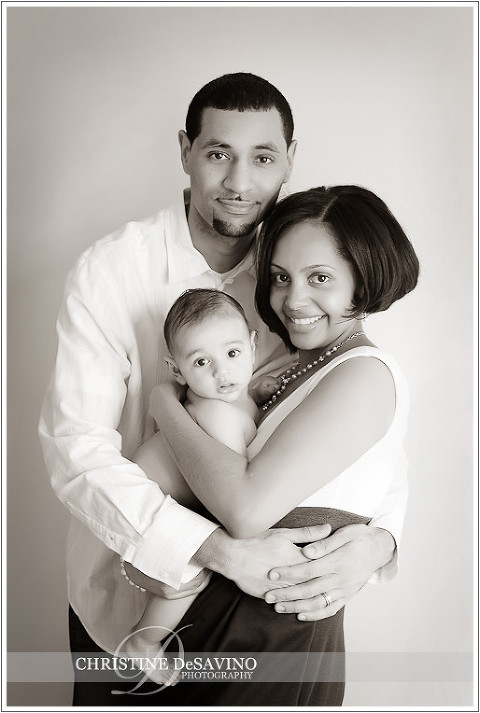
pixel 237 207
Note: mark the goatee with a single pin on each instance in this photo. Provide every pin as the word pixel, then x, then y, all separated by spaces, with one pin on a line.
pixel 229 230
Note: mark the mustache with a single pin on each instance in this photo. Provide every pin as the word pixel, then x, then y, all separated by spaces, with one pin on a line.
pixel 239 198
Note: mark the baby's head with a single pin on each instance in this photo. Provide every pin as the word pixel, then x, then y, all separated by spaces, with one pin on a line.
pixel 212 348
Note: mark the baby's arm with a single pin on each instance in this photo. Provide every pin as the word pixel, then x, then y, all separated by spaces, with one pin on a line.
pixel 223 421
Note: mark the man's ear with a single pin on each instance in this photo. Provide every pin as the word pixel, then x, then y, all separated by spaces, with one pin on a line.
pixel 290 156
pixel 174 370
pixel 185 148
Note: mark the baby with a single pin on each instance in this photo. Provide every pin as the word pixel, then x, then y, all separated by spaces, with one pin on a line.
pixel 212 353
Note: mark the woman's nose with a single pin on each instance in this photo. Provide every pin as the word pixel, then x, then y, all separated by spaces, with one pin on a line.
pixel 296 296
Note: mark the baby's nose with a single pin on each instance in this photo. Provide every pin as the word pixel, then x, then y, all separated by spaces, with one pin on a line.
pixel 220 370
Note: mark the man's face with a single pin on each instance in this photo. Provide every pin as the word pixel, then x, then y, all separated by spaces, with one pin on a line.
pixel 237 165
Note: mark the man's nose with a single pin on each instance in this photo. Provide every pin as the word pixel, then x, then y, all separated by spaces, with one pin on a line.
pixel 239 177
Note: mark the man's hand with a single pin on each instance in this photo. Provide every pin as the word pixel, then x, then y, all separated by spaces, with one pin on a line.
pixel 248 562
pixel 338 565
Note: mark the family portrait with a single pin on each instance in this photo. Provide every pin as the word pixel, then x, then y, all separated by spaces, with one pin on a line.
pixel 240 356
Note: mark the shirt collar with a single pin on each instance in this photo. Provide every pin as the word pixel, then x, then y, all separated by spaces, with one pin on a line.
pixel 183 259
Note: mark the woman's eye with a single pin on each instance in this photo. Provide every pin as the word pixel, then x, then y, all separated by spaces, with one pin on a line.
pixel 232 353
pixel 319 279
pixel 279 278
pixel 201 362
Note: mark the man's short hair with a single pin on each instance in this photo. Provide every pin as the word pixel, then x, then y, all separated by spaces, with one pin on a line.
pixel 238 92
pixel 384 264
pixel 193 306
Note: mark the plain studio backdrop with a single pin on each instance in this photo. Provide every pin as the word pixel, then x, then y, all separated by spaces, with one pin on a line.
pixel 382 97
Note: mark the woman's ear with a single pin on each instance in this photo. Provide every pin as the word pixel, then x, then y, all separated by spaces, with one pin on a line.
pixel 174 370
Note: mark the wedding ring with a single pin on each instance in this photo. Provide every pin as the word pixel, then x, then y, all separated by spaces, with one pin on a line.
pixel 328 601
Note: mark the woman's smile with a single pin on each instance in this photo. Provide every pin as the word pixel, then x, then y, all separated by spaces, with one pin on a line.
pixel 304 321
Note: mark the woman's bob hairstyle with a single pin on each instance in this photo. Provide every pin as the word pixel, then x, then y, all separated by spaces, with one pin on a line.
pixel 368 236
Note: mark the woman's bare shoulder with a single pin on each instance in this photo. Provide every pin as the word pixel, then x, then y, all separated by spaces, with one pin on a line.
pixel 362 384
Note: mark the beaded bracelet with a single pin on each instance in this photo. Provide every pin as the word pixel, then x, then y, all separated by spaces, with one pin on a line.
pixel 122 569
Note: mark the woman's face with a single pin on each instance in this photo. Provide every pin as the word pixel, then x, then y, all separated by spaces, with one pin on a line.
pixel 312 287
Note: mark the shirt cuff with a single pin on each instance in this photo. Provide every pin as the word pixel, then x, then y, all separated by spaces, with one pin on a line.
pixel 169 544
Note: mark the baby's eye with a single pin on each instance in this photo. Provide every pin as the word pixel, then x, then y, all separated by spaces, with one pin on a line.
pixel 319 279
pixel 279 278
pixel 201 362
pixel 232 353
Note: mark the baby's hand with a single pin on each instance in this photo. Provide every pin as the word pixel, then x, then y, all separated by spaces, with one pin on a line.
pixel 264 387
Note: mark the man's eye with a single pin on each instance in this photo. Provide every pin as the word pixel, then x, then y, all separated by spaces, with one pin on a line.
pixel 264 159
pixel 218 156
pixel 201 362
pixel 233 353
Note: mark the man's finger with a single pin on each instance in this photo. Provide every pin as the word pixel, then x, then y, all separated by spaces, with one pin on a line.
pixel 304 572
pixel 322 612
pixel 307 534
pixel 306 590
pixel 326 546
pixel 314 604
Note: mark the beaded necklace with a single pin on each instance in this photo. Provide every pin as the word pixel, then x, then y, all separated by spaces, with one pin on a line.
pixel 288 376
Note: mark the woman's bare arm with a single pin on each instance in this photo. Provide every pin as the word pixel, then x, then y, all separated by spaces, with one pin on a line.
pixel 346 414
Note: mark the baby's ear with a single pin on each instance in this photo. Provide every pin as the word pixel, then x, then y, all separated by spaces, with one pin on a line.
pixel 174 370
pixel 253 341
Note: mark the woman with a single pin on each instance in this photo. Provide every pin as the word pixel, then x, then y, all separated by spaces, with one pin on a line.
pixel 331 435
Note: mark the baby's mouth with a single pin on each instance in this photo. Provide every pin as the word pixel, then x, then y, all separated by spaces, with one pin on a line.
pixel 226 388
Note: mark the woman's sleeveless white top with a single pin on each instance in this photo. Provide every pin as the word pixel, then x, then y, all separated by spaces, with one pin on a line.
pixel 361 487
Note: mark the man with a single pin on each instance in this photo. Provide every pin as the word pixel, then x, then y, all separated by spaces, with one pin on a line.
pixel 238 151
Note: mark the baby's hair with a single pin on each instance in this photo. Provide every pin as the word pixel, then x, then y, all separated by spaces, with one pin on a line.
pixel 193 306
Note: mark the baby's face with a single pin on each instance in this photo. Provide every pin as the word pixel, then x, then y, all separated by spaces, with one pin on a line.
pixel 215 357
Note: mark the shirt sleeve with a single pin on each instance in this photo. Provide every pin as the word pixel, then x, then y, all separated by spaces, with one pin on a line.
pixel 82 444
pixel 390 516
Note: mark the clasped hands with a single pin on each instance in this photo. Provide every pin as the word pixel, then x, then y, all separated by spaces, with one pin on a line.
pixel 337 564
